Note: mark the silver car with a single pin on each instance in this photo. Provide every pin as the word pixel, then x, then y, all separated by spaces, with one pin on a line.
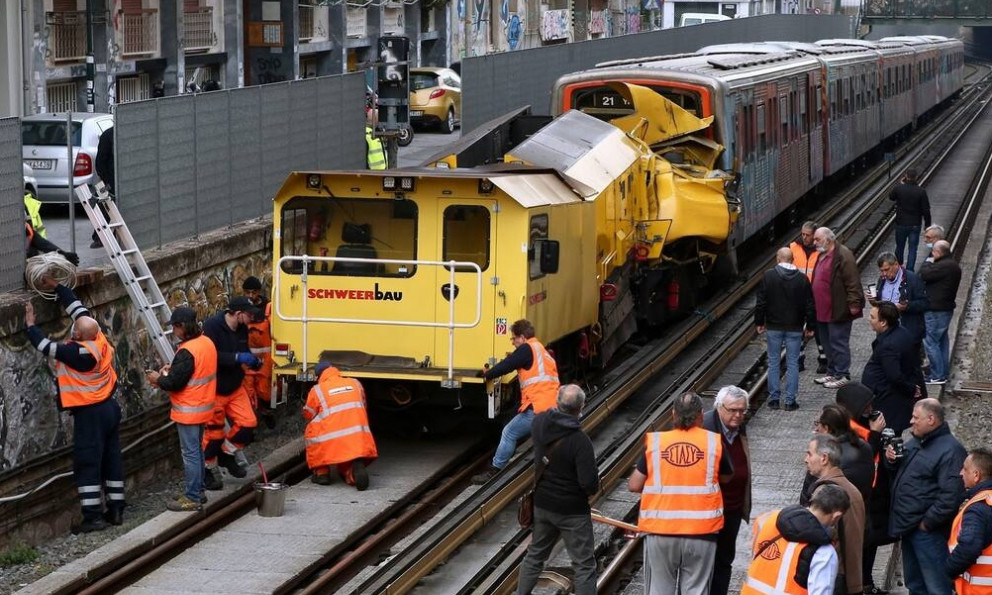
pixel 43 139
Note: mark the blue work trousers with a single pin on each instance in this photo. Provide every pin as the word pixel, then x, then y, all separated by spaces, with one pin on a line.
pixel 836 337
pixel 96 457
pixel 907 234
pixel 924 563
pixel 514 431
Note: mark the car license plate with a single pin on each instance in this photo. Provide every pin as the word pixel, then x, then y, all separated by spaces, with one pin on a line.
pixel 416 114
pixel 39 163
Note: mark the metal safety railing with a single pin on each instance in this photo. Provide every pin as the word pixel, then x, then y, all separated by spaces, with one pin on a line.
pixel 66 36
pixel 139 32
pixel 198 29
pixel 306 21
pixel 305 262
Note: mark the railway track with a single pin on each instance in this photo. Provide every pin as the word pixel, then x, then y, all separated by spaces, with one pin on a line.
pixel 624 388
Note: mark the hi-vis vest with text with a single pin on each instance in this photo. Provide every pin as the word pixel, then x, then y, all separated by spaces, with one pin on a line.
pixel 977 580
pixel 376 156
pixel 681 495
pixel 194 403
pixel 804 263
pixel 773 565
pixel 260 343
pixel 539 383
pixel 76 388
pixel 338 429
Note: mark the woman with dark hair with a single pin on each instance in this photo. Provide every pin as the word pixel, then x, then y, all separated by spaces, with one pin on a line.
pixel 856 457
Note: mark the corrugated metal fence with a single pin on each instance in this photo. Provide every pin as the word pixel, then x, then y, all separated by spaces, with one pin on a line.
pixel 194 163
pixel 11 206
pixel 498 83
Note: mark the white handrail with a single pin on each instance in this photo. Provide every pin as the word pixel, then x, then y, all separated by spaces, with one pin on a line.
pixel 451 325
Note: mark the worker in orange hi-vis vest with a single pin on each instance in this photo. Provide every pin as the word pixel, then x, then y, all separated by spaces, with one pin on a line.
pixel 804 256
pixel 678 478
pixel 791 551
pixel 970 560
pixel 258 383
pixel 337 431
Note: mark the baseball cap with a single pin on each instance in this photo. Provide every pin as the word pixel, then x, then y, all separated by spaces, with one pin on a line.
pixel 241 304
pixel 183 315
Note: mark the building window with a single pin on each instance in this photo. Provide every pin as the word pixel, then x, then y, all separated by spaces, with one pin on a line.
pixel 133 88
pixel 62 97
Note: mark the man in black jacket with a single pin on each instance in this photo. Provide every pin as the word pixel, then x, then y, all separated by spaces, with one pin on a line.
pixel 784 309
pixel 561 500
pixel 926 494
pixel 912 205
pixel 893 373
pixel 942 276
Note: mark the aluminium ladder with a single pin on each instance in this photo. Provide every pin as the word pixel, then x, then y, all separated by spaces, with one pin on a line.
pixel 130 265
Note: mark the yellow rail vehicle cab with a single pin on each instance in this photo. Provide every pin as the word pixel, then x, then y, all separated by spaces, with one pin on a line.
pixel 364 277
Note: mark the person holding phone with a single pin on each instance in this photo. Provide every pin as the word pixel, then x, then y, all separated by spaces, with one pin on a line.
pixel 907 291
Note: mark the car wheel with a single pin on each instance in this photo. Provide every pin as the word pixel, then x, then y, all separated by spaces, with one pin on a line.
pixel 405 136
pixel 448 125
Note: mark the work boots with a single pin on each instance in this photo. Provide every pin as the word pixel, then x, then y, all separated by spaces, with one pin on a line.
pixel 230 463
pixel 212 480
pixel 361 475
pixel 485 476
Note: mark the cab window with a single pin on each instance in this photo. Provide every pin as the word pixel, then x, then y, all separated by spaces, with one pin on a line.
pixel 466 236
pixel 538 235
pixel 350 228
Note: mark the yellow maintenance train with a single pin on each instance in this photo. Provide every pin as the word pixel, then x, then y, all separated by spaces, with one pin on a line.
pixel 409 279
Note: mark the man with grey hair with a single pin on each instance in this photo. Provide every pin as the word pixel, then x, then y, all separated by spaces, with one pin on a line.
pixel 906 290
pixel 567 479
pixel 932 234
pixel 823 461
pixel 727 419
pixel 839 301
pixel 679 478
pixel 942 276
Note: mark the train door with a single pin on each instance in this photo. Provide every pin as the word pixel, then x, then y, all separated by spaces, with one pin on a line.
pixel 468 235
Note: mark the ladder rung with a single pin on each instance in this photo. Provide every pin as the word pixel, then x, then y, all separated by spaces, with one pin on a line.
pixel 157 305
pixel 128 252
pixel 113 225
pixel 142 278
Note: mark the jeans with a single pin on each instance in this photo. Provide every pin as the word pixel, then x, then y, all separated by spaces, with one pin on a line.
pixel 910 234
pixel 924 563
pixel 190 437
pixel 937 344
pixel 514 431
pixel 576 532
pixel 726 550
pixel 836 337
pixel 793 341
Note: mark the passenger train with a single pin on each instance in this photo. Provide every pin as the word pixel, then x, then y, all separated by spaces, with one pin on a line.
pixel 610 216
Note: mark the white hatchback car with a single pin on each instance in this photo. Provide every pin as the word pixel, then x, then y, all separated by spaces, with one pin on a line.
pixel 44 149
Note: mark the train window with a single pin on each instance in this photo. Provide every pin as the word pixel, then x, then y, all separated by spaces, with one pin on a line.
pixel 538 236
pixel 605 103
pixel 832 91
pixel 350 228
pixel 466 236
pixel 803 112
pixel 783 118
pixel 819 99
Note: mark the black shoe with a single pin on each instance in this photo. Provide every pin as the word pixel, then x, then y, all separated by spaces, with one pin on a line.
pixel 268 418
pixel 212 480
pixel 230 462
pixel 773 405
pixel 873 590
pixel 321 480
pixel 96 244
pixel 114 516
pixel 361 475
pixel 821 368
pixel 790 406
pixel 484 477
pixel 90 526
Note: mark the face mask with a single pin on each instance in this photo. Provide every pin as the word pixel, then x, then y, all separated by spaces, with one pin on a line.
pixel 929 246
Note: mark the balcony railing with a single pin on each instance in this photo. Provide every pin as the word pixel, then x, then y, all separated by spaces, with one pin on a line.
pixel 306 22
pixel 198 29
pixel 67 36
pixel 140 32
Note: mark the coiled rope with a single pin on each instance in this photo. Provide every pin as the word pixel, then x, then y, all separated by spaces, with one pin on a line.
pixel 52 265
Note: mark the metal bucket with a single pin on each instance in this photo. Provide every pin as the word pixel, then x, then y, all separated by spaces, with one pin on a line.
pixel 270 498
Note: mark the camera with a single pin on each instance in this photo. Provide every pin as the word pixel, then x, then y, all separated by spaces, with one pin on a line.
pixel 889 438
pixel 874 415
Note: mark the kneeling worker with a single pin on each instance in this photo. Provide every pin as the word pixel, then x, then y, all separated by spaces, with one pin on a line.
pixel 337 431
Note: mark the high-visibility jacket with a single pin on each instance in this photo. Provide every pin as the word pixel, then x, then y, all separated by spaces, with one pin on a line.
pixel 681 495
pixel 338 429
pixel 773 565
pixel 32 207
pixel 977 580
pixel 260 343
pixel 87 388
pixel 863 433
pixel 804 263
pixel 376 156
pixel 539 383
pixel 194 403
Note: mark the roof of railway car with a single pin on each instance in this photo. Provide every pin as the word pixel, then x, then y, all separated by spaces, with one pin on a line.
pixel 727 67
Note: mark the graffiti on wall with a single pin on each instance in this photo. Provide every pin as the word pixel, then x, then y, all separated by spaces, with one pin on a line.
pixel 513 32
pixel 30 422
pixel 554 24
pixel 599 22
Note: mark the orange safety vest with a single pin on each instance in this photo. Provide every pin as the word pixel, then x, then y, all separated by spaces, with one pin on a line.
pixel 539 383
pixel 87 388
pixel 864 433
pixel 774 561
pixel 804 263
pixel 681 495
pixel 194 403
pixel 338 429
pixel 977 580
pixel 260 343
